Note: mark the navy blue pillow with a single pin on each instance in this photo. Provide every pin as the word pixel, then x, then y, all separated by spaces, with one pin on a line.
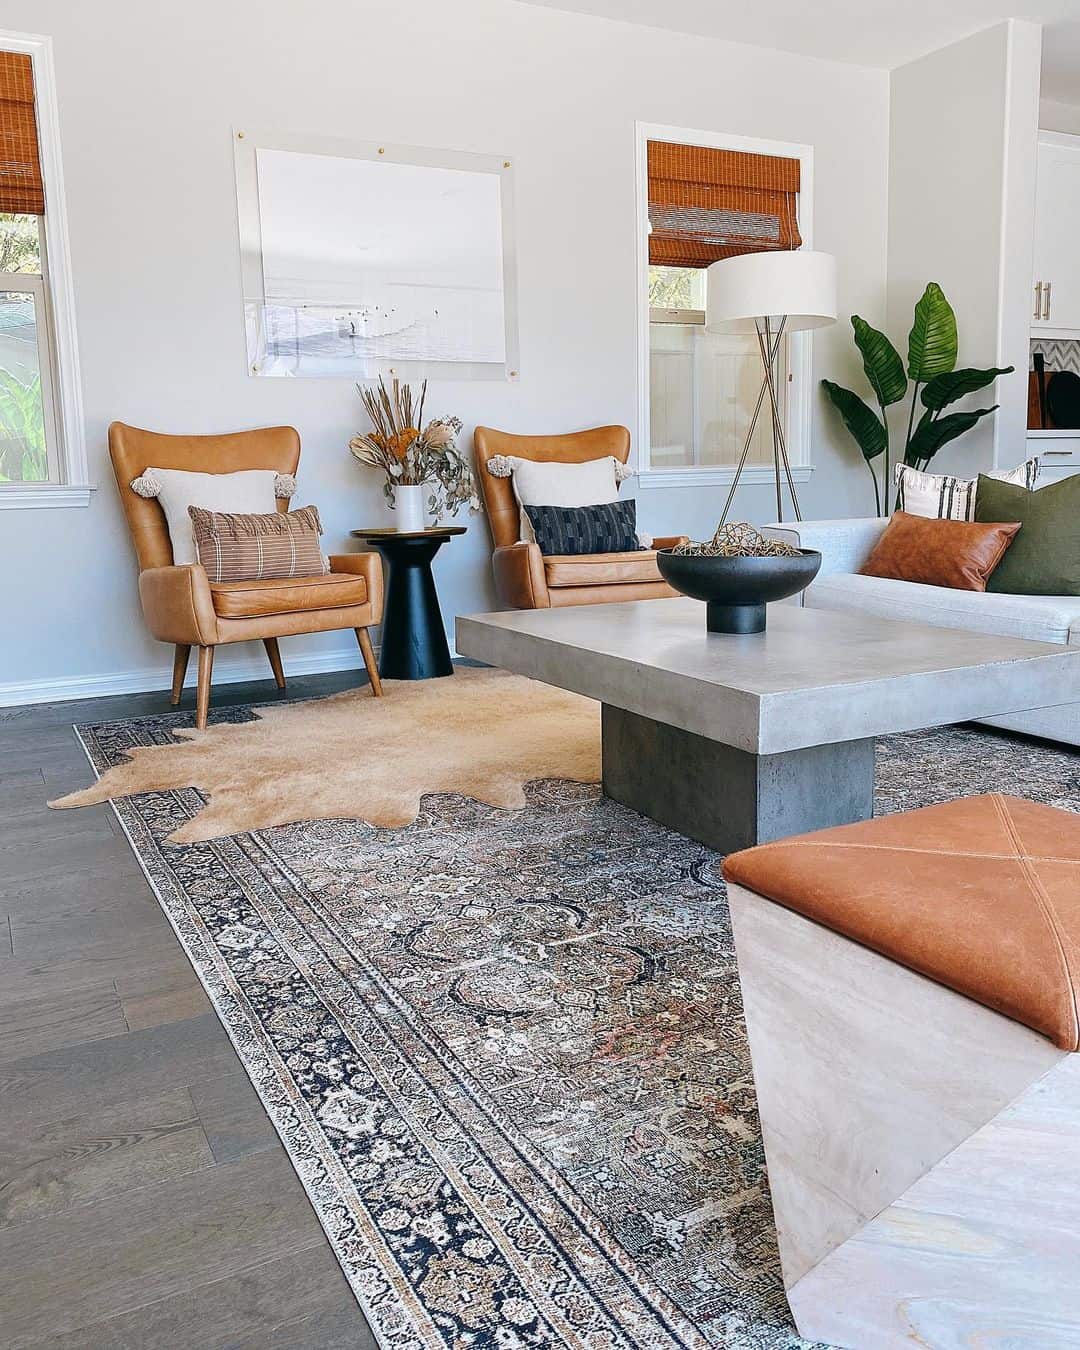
pixel 608 528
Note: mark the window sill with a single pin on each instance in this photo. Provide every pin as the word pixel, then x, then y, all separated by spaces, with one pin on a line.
pixel 717 476
pixel 32 496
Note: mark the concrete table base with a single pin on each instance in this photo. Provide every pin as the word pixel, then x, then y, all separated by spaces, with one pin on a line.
pixel 728 798
pixel 738 738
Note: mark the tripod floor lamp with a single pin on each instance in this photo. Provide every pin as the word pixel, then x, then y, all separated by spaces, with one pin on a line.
pixel 770 294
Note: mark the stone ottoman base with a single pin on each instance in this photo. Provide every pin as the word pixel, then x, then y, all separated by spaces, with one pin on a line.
pixel 923 1148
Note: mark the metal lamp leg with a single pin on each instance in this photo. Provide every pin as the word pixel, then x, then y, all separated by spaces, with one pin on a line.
pixel 769 347
pixel 779 444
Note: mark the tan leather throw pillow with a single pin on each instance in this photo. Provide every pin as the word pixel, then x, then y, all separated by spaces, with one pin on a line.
pixel 953 553
pixel 235 547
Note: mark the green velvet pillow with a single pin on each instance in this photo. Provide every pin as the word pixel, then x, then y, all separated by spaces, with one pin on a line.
pixel 1045 556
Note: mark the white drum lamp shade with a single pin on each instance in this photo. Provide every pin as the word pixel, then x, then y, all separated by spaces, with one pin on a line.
pixel 797 285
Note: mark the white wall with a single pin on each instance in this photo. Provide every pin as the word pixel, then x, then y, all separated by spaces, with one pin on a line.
pixel 148 96
pixel 1055 116
pixel 962 140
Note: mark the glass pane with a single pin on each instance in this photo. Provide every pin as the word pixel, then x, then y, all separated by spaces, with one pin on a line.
pixel 671 395
pixel 23 457
pixel 703 389
pixel 20 244
pixel 676 288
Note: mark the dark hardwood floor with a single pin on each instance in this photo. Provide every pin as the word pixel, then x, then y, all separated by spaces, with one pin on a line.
pixel 145 1200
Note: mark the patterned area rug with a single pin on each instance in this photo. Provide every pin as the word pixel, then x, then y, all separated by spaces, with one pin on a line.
pixel 505 1050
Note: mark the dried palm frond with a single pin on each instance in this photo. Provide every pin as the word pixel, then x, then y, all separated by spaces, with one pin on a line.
pixel 409 456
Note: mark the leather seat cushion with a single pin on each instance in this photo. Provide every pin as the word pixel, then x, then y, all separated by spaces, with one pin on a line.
pixel 600 569
pixel 286 595
pixel 980 894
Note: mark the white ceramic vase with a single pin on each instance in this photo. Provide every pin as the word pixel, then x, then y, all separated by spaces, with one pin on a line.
pixel 409 514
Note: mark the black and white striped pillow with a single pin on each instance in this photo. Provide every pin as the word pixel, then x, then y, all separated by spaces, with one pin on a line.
pixel 940 496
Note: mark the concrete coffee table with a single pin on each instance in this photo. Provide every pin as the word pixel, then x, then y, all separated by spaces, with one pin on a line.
pixel 735 740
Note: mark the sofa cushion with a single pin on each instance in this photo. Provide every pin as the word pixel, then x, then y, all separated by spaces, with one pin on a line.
pixel 943 496
pixel 607 527
pixel 979 894
pixel 548 482
pixel 601 569
pixel 242 547
pixel 247 490
pixel 935 552
pixel 1041 618
pixel 286 595
pixel 1047 559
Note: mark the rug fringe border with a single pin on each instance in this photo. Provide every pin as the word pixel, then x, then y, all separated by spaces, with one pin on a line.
pixel 376 1331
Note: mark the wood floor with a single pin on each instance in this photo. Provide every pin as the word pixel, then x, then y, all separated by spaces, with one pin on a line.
pixel 145 1200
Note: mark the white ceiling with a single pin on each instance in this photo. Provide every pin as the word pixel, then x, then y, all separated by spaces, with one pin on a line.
pixel 884 33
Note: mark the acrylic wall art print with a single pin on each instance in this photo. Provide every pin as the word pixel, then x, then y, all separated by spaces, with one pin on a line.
pixel 375 261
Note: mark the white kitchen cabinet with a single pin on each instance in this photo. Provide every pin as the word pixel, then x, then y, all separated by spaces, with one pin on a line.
pixel 1059 454
pixel 1055 302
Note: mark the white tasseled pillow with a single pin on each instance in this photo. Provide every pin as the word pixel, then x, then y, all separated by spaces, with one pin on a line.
pixel 547 482
pixel 251 492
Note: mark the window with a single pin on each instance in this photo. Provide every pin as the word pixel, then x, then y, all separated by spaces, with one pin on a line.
pixel 701 199
pixel 28 436
pixel 42 454
pixel 702 386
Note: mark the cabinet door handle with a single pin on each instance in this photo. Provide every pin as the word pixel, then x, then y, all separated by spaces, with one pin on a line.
pixel 1057 452
pixel 1038 300
pixel 1046 300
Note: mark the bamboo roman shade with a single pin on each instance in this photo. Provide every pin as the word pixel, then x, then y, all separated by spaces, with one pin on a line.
pixel 708 204
pixel 21 188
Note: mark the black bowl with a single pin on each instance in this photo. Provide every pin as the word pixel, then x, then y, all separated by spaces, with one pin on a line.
pixel 737 589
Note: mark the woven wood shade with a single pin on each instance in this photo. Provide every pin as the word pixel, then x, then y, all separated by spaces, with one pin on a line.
pixel 21 188
pixel 709 204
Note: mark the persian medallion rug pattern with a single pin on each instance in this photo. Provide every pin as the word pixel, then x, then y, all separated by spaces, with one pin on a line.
pixel 505 1050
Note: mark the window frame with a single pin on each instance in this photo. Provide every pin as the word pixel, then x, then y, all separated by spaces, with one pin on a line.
pixel 69 483
pixel 799 387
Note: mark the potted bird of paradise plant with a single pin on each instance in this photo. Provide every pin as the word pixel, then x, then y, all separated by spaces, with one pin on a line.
pixel 935 383
pixel 424 470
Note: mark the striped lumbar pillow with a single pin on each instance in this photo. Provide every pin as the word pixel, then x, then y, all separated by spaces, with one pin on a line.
pixel 939 496
pixel 234 547
pixel 569 531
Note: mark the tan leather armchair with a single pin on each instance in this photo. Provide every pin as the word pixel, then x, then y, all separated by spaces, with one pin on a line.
pixel 183 607
pixel 524 577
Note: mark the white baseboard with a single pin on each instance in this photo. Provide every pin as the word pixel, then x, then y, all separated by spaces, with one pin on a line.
pixel 152 678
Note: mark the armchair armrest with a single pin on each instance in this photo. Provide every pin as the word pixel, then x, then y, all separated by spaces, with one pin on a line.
pixel 670 540
pixel 369 566
pixel 178 606
pixel 844 545
pixel 519 577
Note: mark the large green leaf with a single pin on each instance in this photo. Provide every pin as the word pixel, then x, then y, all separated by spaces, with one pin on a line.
pixel 934 432
pixel 932 342
pixel 863 423
pixel 881 361
pixel 945 389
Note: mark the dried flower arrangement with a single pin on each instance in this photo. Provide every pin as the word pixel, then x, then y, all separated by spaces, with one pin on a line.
pixel 411 454
pixel 738 540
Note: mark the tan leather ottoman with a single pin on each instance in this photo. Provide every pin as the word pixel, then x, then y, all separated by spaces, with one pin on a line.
pixel 911 987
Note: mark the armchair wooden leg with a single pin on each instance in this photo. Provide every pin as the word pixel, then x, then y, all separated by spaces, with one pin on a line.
pixel 202 702
pixel 369 661
pixel 179 670
pixel 275 661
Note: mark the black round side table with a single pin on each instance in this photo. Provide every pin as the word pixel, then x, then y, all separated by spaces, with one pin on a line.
pixel 414 645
